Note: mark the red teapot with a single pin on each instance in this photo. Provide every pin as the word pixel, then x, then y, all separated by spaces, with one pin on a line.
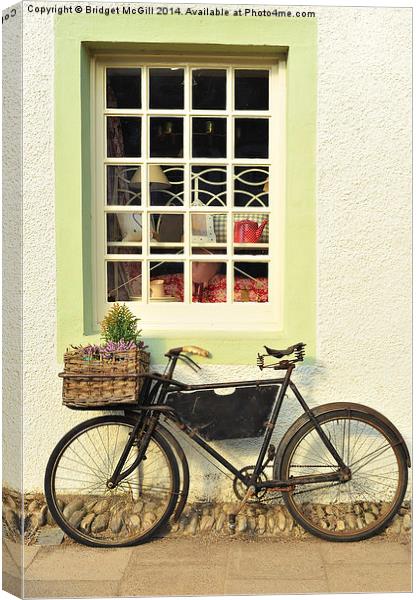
pixel 248 232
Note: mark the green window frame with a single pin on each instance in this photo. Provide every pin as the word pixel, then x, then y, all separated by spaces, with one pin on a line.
pixel 77 39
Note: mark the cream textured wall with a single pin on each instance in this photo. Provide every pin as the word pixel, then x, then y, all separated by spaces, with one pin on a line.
pixel 11 247
pixel 364 237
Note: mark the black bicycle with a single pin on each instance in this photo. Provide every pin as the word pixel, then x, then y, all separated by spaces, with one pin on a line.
pixel 341 468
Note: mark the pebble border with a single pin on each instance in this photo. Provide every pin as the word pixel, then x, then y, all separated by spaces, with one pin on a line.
pixel 199 518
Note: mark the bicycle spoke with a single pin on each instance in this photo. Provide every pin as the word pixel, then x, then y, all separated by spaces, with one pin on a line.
pixel 130 509
pixel 104 448
pixel 89 455
pixel 114 450
pixel 380 450
pixel 345 508
pixel 82 461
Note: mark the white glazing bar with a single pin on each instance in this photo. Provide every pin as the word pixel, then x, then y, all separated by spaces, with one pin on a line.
pixel 124 60
pixel 123 112
pixel 103 88
pixel 123 160
pixel 97 166
pixel 101 190
pixel 230 187
pixel 146 233
pixel 118 208
pixel 280 182
pixel 209 258
pixel 251 258
pixel 167 112
pixel 144 128
pixel 128 160
pixel 123 257
pixel 124 244
pixel 250 209
pixel 187 150
pixel 276 200
pixel 209 113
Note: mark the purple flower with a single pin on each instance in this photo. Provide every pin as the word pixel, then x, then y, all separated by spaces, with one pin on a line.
pixel 96 352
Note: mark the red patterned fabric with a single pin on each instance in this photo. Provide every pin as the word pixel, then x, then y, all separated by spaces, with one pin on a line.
pixel 248 290
pixel 173 285
pixel 245 290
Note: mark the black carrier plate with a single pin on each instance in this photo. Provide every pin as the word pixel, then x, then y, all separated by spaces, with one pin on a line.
pixel 240 414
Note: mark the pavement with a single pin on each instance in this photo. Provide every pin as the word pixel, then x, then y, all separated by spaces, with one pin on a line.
pixel 205 566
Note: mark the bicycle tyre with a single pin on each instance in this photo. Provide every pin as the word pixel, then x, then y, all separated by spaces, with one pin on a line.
pixel 56 506
pixel 306 513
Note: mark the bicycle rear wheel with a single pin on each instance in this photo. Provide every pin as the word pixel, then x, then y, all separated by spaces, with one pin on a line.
pixel 361 507
pixel 81 503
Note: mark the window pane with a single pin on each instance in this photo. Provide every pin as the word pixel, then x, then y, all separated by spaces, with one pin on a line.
pixel 123 248
pixel 251 138
pixel 209 281
pixel 166 137
pixel 209 89
pixel 250 250
pixel 209 138
pixel 207 249
pixel 123 185
pixel 166 281
pixel 251 228
pixel 250 282
pixel 166 249
pixel 251 187
pixel 124 227
pixel 203 228
pixel 168 228
pixel 251 89
pixel 166 185
pixel 208 185
pixel 124 281
pixel 123 89
pixel 166 88
pixel 220 225
pixel 123 136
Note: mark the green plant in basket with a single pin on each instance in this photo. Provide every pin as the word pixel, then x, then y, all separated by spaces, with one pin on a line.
pixel 102 374
pixel 120 324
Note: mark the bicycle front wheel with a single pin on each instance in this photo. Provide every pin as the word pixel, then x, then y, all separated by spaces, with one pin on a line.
pixel 364 505
pixel 77 494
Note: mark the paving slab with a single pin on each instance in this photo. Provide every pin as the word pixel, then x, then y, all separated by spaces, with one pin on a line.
pixel 9 564
pixel 164 568
pixel 368 552
pixel 183 580
pixel 194 551
pixel 78 563
pixel 193 566
pixel 16 552
pixel 283 561
pixel 369 577
pixel 72 589
pixel 11 584
pixel 275 586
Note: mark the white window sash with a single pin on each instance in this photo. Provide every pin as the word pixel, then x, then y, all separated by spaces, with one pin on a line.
pixel 233 316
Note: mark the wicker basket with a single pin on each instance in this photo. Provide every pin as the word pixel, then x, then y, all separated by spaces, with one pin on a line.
pixel 92 383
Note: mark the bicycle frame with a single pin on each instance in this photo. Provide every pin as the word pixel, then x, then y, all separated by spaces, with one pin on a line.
pixel 150 413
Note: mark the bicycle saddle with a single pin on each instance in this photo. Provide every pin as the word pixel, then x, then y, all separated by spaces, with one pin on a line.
pixel 280 353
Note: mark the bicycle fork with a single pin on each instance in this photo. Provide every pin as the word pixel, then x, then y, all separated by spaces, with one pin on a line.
pixel 142 431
